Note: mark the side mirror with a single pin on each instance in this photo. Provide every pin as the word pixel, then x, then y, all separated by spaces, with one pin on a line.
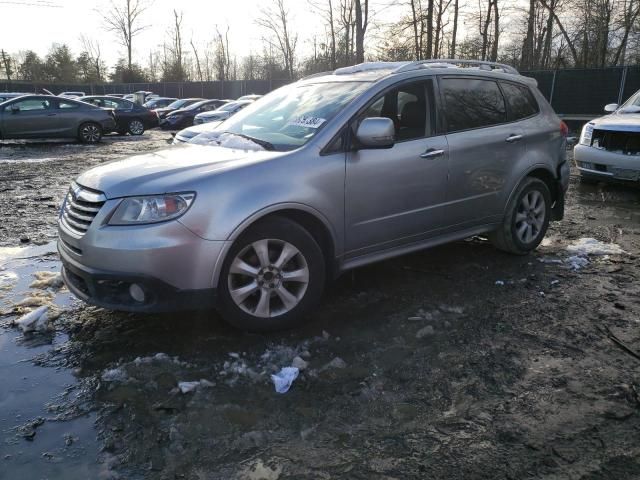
pixel 610 108
pixel 376 132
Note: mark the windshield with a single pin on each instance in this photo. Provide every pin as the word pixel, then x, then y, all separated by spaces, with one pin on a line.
pixel 634 101
pixel 227 107
pixel 291 116
pixel 179 103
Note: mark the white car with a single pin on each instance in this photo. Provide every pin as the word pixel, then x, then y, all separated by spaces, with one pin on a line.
pixel 222 113
pixel 609 146
pixel 72 94
pixel 187 134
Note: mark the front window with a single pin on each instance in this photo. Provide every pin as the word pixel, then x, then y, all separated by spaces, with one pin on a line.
pixel 179 104
pixel 291 116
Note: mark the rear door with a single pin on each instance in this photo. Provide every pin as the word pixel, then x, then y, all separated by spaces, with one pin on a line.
pixel 29 118
pixel 483 147
pixel 396 196
pixel 68 115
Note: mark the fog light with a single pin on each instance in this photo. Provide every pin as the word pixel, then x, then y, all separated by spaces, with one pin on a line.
pixel 136 292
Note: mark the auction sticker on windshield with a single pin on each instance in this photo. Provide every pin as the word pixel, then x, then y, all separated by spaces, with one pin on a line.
pixel 307 122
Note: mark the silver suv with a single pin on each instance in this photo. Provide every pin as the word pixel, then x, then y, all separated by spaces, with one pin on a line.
pixel 330 173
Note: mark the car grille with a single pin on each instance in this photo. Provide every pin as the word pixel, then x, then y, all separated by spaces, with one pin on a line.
pixel 626 143
pixel 80 208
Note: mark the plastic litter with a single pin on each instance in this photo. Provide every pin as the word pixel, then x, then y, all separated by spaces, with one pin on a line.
pixel 36 321
pixel 284 378
pixel 576 262
pixel 591 246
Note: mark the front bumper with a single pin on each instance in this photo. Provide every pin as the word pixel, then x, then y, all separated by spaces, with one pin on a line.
pixel 603 164
pixel 173 266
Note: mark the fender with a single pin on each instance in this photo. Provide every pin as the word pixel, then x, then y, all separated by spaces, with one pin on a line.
pixel 247 222
pixel 533 167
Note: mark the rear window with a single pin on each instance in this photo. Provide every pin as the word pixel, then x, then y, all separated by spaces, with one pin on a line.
pixel 472 103
pixel 520 101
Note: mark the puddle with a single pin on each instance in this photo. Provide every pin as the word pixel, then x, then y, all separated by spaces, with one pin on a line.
pixel 58 449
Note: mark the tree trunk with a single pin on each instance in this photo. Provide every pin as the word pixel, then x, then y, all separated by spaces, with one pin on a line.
pixel 454 33
pixel 414 21
pixel 362 18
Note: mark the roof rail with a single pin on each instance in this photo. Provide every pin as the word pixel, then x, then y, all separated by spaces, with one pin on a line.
pixel 319 74
pixel 370 66
pixel 455 62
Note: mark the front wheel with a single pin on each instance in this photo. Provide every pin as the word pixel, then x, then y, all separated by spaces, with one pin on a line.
pixel 90 133
pixel 527 218
pixel 273 275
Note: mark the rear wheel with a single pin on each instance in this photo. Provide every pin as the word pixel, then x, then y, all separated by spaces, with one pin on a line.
pixel 273 275
pixel 135 127
pixel 527 218
pixel 90 133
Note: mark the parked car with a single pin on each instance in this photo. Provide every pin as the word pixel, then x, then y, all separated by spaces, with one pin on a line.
pixel 189 133
pixel 117 95
pixel 225 111
pixel 609 146
pixel 46 116
pixel 72 94
pixel 4 96
pixel 318 177
pixel 250 97
pixel 183 117
pixel 158 102
pixel 130 118
pixel 181 103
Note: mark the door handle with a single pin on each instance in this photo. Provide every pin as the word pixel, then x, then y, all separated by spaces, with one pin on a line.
pixel 432 153
pixel 513 138
pixel 51 114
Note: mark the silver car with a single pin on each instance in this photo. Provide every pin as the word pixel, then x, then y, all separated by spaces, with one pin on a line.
pixel 609 146
pixel 324 175
pixel 46 116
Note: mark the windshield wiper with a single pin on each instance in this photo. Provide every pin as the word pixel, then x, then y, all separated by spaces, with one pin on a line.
pixel 263 143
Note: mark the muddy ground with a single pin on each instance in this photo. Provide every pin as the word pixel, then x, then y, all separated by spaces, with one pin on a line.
pixel 457 362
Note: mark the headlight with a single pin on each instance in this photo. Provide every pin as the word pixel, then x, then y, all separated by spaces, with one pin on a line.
pixel 151 209
pixel 587 134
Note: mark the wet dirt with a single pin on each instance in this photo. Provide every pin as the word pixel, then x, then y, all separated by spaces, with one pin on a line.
pixel 457 362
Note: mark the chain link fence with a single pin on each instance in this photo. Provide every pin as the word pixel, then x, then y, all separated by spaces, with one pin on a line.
pixel 576 94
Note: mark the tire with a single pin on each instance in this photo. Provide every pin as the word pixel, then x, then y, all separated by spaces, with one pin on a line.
pixel 253 295
pixel 526 220
pixel 90 132
pixel 135 127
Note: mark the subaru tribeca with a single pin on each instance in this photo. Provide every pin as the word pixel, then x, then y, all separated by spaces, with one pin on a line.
pixel 330 173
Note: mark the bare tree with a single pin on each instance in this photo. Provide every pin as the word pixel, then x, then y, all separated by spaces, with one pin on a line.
pixel 275 20
pixel 94 52
pixel 124 20
pixel 326 9
pixel 362 22
pixel 197 57
pixel 6 64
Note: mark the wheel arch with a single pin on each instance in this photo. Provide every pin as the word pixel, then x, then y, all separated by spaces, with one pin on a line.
pixel 309 218
pixel 541 172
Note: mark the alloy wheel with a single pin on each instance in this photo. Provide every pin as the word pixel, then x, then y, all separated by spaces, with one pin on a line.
pixel 530 216
pixel 136 127
pixel 268 278
pixel 90 133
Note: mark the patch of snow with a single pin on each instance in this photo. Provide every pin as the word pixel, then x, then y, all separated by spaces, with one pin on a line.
pixel 284 378
pixel 188 387
pixel 367 67
pixel 35 321
pixel 550 260
pixel 299 363
pixel 114 375
pixel 335 363
pixel 576 262
pixel 30 160
pixel 226 140
pixel 7 278
pixel 425 332
pixel 500 282
pixel 591 246
pixel 47 279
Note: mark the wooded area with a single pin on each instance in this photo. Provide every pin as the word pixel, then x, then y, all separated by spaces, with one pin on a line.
pixel 528 34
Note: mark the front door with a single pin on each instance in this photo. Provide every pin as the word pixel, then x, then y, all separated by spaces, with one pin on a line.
pixel 395 196
pixel 33 117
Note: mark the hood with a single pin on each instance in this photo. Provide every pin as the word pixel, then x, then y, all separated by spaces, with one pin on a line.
pixel 175 169
pixel 625 122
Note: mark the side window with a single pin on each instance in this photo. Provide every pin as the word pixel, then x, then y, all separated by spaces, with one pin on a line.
pixel 409 107
pixel 64 105
pixel 520 100
pixel 122 105
pixel 31 105
pixel 472 103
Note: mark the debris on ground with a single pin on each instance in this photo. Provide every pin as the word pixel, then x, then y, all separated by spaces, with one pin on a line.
pixel 28 430
pixel 114 375
pixel 576 262
pixel 284 378
pixel 299 363
pixel 188 387
pixel 337 362
pixel 500 282
pixel 425 332
pixel 36 299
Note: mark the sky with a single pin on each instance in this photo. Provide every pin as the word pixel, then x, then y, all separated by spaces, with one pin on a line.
pixel 27 25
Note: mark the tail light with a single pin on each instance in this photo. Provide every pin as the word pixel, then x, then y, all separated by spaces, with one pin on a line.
pixel 564 129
